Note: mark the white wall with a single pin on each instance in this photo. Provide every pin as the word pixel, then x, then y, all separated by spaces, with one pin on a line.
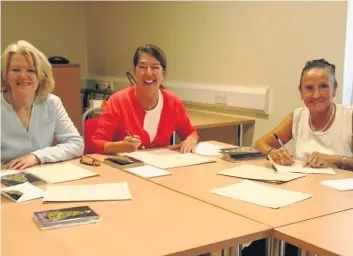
pixel 237 43
pixel 56 28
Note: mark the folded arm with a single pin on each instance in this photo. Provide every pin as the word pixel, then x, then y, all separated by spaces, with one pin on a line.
pixel 69 142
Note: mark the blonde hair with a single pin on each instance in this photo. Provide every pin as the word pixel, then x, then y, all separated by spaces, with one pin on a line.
pixel 40 61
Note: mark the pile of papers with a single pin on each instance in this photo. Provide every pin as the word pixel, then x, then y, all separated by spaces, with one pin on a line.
pixel 170 159
pixel 339 184
pixel 298 167
pixel 253 192
pixel 260 173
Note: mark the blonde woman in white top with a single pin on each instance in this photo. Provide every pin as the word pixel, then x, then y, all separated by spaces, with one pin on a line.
pixel 322 130
pixel 32 117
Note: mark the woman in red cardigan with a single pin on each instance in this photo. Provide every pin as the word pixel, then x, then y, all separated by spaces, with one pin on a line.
pixel 144 115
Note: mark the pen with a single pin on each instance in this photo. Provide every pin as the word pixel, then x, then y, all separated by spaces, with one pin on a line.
pixel 272 163
pixel 129 133
pixel 280 142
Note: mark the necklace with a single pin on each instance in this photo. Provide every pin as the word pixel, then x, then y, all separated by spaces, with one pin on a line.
pixel 147 108
pixel 326 125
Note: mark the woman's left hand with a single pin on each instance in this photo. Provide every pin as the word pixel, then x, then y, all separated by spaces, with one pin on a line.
pixel 318 160
pixel 22 162
pixel 186 146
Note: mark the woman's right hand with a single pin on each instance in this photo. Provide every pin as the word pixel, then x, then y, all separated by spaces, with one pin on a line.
pixel 281 156
pixel 131 144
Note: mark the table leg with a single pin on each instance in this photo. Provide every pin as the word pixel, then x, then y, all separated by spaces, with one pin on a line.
pixel 275 247
pixel 282 248
pixel 307 253
pixel 269 246
pixel 235 251
pixel 240 135
pixel 247 134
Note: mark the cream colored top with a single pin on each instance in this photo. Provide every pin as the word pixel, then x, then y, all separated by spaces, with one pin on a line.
pixel 336 140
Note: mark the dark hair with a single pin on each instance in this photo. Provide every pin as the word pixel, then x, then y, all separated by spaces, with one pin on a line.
pixel 153 51
pixel 319 63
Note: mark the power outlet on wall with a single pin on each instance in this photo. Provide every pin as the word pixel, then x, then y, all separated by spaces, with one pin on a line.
pixel 220 98
pixel 106 85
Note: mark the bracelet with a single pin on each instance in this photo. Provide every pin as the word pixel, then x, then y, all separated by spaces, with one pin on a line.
pixel 343 164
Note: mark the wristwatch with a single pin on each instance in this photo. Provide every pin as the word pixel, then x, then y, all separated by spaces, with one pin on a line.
pixel 343 164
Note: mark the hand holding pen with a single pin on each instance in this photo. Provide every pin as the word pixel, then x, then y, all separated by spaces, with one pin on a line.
pixel 281 155
pixel 134 140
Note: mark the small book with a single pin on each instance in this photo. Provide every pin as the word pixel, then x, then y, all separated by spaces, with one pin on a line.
pixel 20 178
pixel 241 153
pixel 65 217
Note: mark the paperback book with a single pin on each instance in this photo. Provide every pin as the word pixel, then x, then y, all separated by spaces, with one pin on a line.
pixel 64 217
pixel 241 153
pixel 20 178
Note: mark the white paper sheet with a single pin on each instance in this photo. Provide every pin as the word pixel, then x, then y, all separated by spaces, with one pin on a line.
pixel 163 152
pixel 339 184
pixel 298 167
pixel 259 194
pixel 95 192
pixel 254 172
pixel 55 173
pixel 29 192
pixel 148 171
pixel 167 161
pixel 8 172
pixel 207 149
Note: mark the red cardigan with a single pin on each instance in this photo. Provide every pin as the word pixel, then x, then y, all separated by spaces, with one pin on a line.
pixel 123 112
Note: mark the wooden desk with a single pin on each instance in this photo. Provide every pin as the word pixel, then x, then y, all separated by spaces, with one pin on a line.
pixel 223 128
pixel 328 235
pixel 197 181
pixel 157 221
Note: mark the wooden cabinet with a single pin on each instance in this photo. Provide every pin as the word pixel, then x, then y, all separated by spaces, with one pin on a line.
pixel 67 87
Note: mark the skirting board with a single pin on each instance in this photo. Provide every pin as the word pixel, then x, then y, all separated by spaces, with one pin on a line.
pixel 252 97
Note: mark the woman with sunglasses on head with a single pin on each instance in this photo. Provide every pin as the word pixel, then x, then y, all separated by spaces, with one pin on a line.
pixel 32 117
pixel 322 130
pixel 144 115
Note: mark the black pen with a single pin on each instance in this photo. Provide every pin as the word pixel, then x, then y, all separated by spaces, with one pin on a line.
pixel 280 142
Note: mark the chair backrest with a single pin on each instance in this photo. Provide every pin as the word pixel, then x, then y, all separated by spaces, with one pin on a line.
pixel 88 127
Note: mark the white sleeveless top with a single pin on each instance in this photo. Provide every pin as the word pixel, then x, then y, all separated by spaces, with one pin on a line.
pixel 337 140
pixel 152 117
